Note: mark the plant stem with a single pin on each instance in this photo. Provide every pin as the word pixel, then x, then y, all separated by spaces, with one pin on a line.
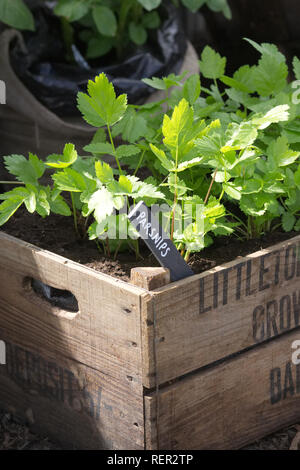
pixel 140 162
pixel 175 195
pixel 11 182
pixel 114 149
pixel 108 247
pixel 74 213
pixel 187 256
pixel 211 185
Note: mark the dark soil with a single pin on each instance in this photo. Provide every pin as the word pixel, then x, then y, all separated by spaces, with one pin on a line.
pixel 56 234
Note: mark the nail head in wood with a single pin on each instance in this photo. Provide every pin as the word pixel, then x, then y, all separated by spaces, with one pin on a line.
pixel 150 278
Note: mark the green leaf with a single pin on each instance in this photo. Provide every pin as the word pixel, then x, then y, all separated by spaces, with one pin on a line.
pixel 241 135
pixel 127 151
pixel 178 130
pixel 160 154
pixel 27 171
pixel 279 153
pixel 72 10
pixel 268 49
pixel 8 208
pixel 102 204
pixel 193 5
pixel 209 146
pixel 137 33
pixel 155 82
pixel 234 84
pixel 105 20
pixel 42 204
pixel 288 221
pixel 63 161
pixel 220 5
pixel 98 47
pixel 131 127
pixel 151 20
pixel 234 192
pixel 16 14
pixel 296 67
pixel 192 89
pixel 270 76
pixel 212 65
pixel 150 4
pixel 104 172
pixel 244 76
pixel 101 105
pixel 144 190
pixel 99 148
pixel 60 207
pixel 69 180
pixel 277 114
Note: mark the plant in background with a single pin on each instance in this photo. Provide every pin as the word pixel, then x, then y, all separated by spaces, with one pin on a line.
pixel 15 13
pixel 115 23
pixel 104 24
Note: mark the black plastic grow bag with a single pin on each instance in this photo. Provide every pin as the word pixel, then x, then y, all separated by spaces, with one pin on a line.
pixel 55 83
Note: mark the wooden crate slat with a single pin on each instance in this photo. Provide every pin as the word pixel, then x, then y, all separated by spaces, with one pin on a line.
pixel 70 402
pixel 210 316
pixel 106 332
pixel 229 405
pixel 97 349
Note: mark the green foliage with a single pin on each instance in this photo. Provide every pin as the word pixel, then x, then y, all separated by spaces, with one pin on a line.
pixel 224 159
pixel 16 14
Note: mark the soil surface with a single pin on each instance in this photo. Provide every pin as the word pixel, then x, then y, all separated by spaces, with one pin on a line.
pixel 56 234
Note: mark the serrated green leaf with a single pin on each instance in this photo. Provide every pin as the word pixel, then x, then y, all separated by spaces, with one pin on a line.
pixel 101 106
pixel 69 180
pixel 279 153
pixel 178 130
pixel 241 135
pixel 131 127
pixel 232 191
pixel 27 171
pixel 212 65
pixel 104 172
pixel 99 148
pixel 278 114
pixel 63 161
pixel 160 154
pixel 127 151
pixel 8 208
pixel 60 207
pixel 42 204
pixel 270 76
pixel 102 204
pixel 192 89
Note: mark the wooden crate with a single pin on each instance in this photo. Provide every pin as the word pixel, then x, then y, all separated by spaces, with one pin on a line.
pixel 204 363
